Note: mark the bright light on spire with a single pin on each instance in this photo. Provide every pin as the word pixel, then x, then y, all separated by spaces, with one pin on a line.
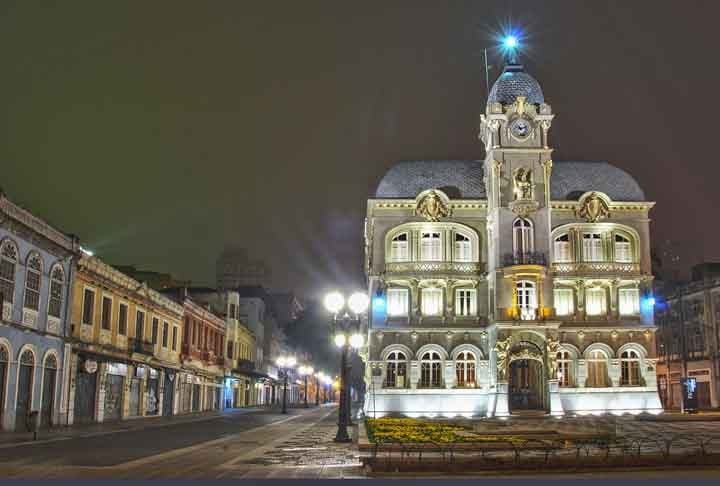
pixel 510 42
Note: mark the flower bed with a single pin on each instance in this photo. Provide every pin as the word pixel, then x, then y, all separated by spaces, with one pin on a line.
pixel 418 431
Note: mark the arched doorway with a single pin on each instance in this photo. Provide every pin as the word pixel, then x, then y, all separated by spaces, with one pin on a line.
pixel 526 378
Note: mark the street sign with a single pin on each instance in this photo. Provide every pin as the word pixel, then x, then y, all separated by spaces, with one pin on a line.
pixel 690 399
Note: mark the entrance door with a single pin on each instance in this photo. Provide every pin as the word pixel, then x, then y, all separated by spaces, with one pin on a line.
pixel 85 387
pixel 526 385
pixel 134 397
pixel 168 395
pixel 152 397
pixel 48 395
pixel 24 390
pixel 113 397
pixel 703 394
pixel 196 398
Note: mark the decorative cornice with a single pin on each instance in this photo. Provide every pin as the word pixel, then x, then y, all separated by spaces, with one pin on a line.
pixel 36 224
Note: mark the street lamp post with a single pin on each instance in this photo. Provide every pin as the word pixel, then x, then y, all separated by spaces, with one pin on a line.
pixel 317 387
pixel 346 329
pixel 285 363
pixel 305 371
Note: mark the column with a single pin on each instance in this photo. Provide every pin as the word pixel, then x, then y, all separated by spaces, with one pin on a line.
pixel 613 287
pixel 126 391
pixel 450 376
pixel 580 291
pixel 581 373
pixel 71 389
pixel 64 379
pixel 614 372
pixel 414 374
pixel 161 391
pixel 101 383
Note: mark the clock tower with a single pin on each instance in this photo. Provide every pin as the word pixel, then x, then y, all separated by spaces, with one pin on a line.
pixel 517 171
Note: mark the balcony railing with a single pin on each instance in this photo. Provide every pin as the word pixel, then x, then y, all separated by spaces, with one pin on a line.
pixel 595 268
pixel 140 346
pixel 524 258
pixel 463 268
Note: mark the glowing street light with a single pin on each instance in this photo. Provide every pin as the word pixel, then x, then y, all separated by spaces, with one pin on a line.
pixel 285 363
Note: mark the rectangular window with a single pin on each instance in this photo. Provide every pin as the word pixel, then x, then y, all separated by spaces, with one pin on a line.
pixel 233 311
pixel 595 302
pixel 562 248
pixel 592 247
pixel 563 302
pixel 7 279
pixel 230 350
pixel 465 302
pixel 463 248
pixel 629 302
pixel 623 251
pixel 155 325
pixel 123 320
pixel 431 302
pixel 166 329
pixel 106 312
pixel 174 339
pixel 88 307
pixel 56 294
pixel 140 326
pixel 32 290
pixel 430 247
pixel 399 248
pixel 397 304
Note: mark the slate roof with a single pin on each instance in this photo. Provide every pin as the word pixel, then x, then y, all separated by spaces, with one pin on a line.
pixel 514 82
pixel 463 179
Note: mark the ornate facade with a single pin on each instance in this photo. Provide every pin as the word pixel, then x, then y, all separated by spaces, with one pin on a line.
pixel 509 284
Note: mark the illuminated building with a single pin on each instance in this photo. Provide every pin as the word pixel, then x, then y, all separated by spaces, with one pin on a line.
pixel 511 283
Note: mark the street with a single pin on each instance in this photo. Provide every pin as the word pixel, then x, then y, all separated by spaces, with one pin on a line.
pixel 259 443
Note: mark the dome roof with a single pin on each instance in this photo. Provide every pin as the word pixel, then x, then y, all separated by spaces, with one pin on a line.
pixel 459 179
pixel 571 179
pixel 514 82
pixel 463 179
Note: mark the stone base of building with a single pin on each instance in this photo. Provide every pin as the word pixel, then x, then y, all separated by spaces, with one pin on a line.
pixel 588 401
pixel 427 403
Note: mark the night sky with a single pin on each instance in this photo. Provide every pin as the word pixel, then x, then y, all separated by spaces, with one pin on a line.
pixel 159 132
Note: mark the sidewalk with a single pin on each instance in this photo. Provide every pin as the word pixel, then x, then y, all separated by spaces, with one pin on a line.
pixel 63 432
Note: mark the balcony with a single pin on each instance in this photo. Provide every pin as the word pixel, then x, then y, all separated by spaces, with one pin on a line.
pixel 245 365
pixel 526 258
pixel 595 269
pixel 140 346
pixel 436 269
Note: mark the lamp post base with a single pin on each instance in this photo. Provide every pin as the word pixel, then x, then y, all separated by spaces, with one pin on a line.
pixel 342 435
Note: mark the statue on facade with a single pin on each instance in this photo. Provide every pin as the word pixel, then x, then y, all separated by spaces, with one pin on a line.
pixel 502 352
pixel 431 206
pixel 552 347
pixel 523 184
pixel 593 209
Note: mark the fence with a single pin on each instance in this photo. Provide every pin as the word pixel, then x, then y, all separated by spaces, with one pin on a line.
pixel 536 453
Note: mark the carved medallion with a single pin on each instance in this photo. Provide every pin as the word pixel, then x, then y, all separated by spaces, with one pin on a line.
pixel 432 205
pixel 593 208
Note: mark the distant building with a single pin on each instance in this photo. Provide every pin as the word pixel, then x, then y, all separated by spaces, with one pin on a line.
pixel 688 338
pixel 126 340
pixel 287 307
pixel 154 280
pixel 235 269
pixel 36 265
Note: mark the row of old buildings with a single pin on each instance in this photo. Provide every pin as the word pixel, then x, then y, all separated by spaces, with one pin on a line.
pixel 83 341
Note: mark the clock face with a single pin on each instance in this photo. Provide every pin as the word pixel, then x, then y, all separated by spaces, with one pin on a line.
pixel 520 128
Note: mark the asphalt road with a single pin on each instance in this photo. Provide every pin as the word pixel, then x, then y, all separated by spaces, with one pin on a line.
pixel 120 447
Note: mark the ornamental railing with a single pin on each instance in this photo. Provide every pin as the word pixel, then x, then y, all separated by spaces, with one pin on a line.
pixel 524 258
pixel 464 268
pixel 595 268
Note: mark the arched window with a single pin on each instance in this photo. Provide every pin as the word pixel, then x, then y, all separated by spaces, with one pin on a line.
pixel 526 299
pixel 430 370
pixel 523 240
pixel 623 249
pixel 562 248
pixel 57 280
pixel 463 248
pixel 396 370
pixel 51 362
pixel 399 248
pixel 593 247
pixel 8 260
pixel 33 277
pixel 465 365
pixel 630 368
pixel 430 246
pixel 27 358
pixel 597 370
pixel 564 363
